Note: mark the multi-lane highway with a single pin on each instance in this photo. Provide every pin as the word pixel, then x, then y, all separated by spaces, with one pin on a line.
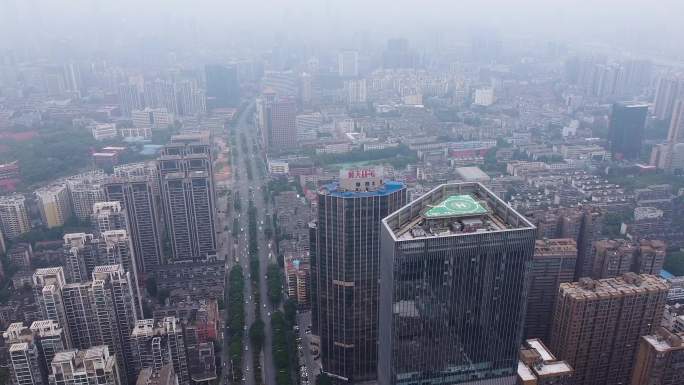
pixel 247 190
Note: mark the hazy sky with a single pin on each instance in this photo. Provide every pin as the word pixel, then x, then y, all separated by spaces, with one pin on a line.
pixel 653 26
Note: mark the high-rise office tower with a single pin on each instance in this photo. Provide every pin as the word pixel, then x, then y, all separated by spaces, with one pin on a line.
pixel 626 130
pixel 454 269
pixel 86 190
pixel 47 285
pixel 92 365
pixel 129 98
pixel 50 340
pixel 115 311
pixel 553 263
pixel 669 89
pixel 279 130
pixel 223 87
pixel 155 344
pixel 659 359
pixel 348 64
pixel 54 204
pixel 597 325
pixel 345 269
pixel 136 193
pixel 13 217
pixel 188 197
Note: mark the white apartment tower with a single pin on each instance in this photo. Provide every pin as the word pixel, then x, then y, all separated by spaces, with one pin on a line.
pixel 13 217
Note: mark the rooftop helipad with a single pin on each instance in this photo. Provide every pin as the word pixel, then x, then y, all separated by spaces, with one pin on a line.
pixel 455 205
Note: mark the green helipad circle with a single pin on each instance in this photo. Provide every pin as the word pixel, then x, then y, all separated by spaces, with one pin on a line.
pixel 455 205
pixel 461 205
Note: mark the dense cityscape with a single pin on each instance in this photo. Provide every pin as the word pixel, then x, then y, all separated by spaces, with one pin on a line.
pixel 484 208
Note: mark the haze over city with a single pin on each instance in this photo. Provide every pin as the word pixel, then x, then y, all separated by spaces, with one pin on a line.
pixel 323 192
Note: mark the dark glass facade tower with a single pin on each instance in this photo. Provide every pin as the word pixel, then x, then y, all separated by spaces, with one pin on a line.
pixel 223 87
pixel 626 131
pixel 345 270
pixel 454 275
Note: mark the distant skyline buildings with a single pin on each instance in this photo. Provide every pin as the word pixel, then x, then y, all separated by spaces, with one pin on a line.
pixel 348 64
pixel 626 130
pixel 223 87
pixel 426 109
pixel 277 120
pixel 669 89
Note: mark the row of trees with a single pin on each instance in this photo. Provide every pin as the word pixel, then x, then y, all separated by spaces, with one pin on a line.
pixel 285 357
pixel 282 338
pixel 235 321
pixel 275 284
pixel 257 329
pixel 253 245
